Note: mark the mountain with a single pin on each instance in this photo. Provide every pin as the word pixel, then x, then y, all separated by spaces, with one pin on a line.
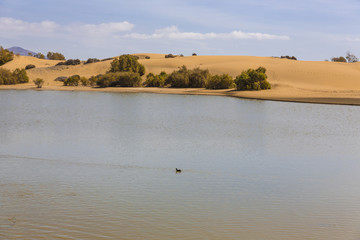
pixel 21 51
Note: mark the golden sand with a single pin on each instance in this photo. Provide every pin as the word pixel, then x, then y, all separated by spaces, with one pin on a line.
pixel 298 81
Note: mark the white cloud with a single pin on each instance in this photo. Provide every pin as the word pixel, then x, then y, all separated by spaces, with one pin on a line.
pixel 174 33
pixel 11 27
pixel 108 28
pixel 353 39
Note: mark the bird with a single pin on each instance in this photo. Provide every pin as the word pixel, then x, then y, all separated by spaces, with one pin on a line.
pixel 178 170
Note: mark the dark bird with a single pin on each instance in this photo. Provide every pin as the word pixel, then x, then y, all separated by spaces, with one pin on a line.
pixel 178 170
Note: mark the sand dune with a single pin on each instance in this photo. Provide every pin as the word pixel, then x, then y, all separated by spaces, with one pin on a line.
pixel 303 81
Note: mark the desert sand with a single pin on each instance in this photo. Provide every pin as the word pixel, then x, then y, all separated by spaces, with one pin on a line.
pixel 295 81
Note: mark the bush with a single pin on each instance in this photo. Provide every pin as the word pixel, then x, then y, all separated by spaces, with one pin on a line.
pixel 92 60
pixel 93 80
pixel 21 76
pixel 351 58
pixel 198 78
pixel 69 62
pixel 170 56
pixel 39 82
pixel 72 81
pixel 84 81
pixel 40 56
pixel 127 63
pixel 194 54
pixel 18 76
pixel 119 79
pixel 147 57
pixel 288 57
pixel 223 81
pixel 6 77
pixel 252 79
pixel 61 79
pixel 338 59
pixel 155 80
pixel 30 66
pixel 178 79
pixel 55 56
pixel 5 56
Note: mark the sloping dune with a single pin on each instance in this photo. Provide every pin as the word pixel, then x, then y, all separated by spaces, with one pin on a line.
pixel 302 81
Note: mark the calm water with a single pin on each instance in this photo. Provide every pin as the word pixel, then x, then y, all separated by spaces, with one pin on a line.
pixel 81 165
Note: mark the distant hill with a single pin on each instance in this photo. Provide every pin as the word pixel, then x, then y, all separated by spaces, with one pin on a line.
pixel 21 51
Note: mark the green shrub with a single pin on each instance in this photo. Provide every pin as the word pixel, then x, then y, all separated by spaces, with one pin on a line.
pixel 179 78
pixel 119 79
pixel 127 63
pixel 40 56
pixel 198 78
pixel 5 56
pixel 92 60
pixel 55 56
pixel 93 80
pixel 338 59
pixel 21 76
pixel 155 80
pixel 18 76
pixel 84 81
pixel 30 66
pixel 288 57
pixel 170 56
pixel 72 81
pixel 39 82
pixel 252 79
pixel 6 77
pixel 223 81
pixel 69 62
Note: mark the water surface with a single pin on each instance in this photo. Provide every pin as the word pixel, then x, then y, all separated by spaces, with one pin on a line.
pixel 83 165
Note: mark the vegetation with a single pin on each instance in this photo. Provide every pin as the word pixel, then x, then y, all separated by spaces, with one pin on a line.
pixel 40 56
pixel 55 56
pixel 18 76
pixel 252 79
pixel 84 81
pixel 119 79
pixel 39 82
pixel 288 57
pixel 194 54
pixel 29 66
pixel 155 80
pixel 5 56
pixel 70 62
pixel 92 60
pixel 338 59
pixel 351 58
pixel 179 78
pixel 170 56
pixel 61 78
pixel 223 81
pixel 72 81
pixel 127 63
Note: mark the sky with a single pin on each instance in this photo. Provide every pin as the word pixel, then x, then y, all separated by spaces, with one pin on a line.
pixel 308 29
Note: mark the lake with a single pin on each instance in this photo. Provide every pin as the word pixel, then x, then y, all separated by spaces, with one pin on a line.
pixel 91 165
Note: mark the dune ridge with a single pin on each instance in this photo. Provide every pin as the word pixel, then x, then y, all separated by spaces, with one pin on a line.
pixel 298 81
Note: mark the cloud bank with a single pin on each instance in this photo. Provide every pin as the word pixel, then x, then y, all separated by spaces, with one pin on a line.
pixel 174 33
pixel 11 27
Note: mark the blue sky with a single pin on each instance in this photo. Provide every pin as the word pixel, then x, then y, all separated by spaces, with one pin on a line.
pixel 307 29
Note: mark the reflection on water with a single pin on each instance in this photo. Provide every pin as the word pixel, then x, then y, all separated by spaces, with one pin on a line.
pixel 78 165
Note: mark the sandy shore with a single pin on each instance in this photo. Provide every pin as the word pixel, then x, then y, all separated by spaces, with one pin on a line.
pixel 276 94
pixel 293 81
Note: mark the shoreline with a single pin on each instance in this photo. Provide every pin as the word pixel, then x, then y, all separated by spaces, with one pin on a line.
pixel 351 98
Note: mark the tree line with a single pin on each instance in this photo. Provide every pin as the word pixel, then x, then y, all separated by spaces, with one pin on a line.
pixel 126 71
